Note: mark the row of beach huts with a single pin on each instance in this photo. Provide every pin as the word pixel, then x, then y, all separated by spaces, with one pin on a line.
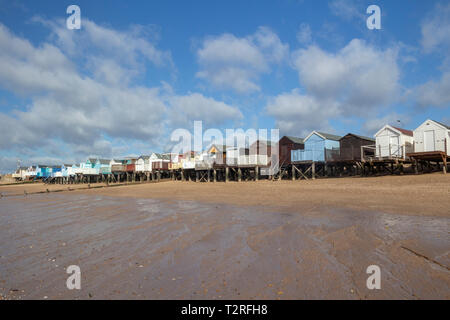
pixel 391 150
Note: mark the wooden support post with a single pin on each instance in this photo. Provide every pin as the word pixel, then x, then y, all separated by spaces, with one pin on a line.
pixel 214 175
pixel 182 175
pixel 416 167
pixel 293 173
pixel 196 176
pixel 313 170
pixel 239 175
pixel 256 173
pixel 444 163
pixel 158 174
pixel 227 174
pixel 209 175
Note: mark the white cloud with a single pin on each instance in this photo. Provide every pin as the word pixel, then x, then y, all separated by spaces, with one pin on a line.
pixel 299 114
pixel 359 76
pixel 88 112
pixel 434 93
pixel 357 80
pixel 373 124
pixel 197 106
pixel 347 9
pixel 436 28
pixel 234 63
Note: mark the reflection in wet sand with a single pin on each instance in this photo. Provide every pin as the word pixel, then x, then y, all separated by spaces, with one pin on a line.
pixel 154 249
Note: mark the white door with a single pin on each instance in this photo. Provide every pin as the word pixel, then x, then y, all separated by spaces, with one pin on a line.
pixel 428 141
pixel 395 146
pixel 383 147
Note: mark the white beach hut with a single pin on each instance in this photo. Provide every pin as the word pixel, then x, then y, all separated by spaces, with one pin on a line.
pixel 432 136
pixel 393 142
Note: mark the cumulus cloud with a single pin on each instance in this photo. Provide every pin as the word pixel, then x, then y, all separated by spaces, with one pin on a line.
pixel 299 114
pixel 197 106
pixel 77 100
pixel 358 76
pixel 347 9
pixel 229 62
pixel 357 80
pixel 372 125
pixel 436 28
pixel 435 93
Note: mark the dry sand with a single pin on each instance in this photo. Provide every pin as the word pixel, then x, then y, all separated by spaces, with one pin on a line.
pixel 265 240
pixel 412 195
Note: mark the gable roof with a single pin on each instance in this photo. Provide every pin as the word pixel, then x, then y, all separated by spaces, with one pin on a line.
pixel 396 129
pixel 326 136
pixel 104 161
pixel 360 137
pixel 404 131
pixel 295 139
pixel 437 122
pixel 444 125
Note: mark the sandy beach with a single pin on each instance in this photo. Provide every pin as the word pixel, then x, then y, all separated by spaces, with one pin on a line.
pixel 249 240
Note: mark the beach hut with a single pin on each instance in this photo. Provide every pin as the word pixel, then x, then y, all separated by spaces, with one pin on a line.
pixel 188 160
pixel 286 145
pixel 118 166
pixel 105 166
pixel 350 147
pixel 143 164
pixel 90 167
pixel 20 173
pixel 393 142
pixel 30 173
pixel 43 171
pixel 56 171
pixel 432 136
pixel 159 161
pixel 318 147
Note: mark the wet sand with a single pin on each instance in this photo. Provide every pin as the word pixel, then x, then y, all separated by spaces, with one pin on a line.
pixel 132 247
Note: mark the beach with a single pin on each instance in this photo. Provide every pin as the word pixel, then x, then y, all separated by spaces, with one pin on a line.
pixel 248 240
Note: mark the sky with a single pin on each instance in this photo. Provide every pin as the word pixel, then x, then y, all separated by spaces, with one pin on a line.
pixel 138 70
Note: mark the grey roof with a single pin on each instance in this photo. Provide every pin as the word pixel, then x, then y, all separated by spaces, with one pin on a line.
pixel 361 137
pixel 92 160
pixel 329 136
pixel 145 157
pixel 448 127
pixel 104 161
pixel 296 140
pixel 165 156
pixel 68 165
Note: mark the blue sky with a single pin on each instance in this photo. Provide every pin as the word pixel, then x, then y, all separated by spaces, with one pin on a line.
pixel 137 70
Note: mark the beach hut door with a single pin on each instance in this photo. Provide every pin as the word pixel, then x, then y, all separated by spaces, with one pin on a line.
pixel 428 140
pixel 395 146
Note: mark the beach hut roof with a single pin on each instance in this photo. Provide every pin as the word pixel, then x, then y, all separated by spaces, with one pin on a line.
pixel 326 136
pixel 104 161
pixel 296 140
pixel 404 131
pixel 361 137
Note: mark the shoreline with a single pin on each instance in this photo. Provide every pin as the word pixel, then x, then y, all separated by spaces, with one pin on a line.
pixel 426 195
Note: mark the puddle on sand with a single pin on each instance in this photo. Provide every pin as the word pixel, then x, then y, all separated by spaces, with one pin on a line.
pixel 156 249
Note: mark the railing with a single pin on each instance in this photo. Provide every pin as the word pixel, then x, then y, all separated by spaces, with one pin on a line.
pixel 249 160
pixel 383 152
pixel 314 154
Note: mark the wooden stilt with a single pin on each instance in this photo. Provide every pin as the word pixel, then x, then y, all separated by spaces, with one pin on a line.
pixel 313 170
